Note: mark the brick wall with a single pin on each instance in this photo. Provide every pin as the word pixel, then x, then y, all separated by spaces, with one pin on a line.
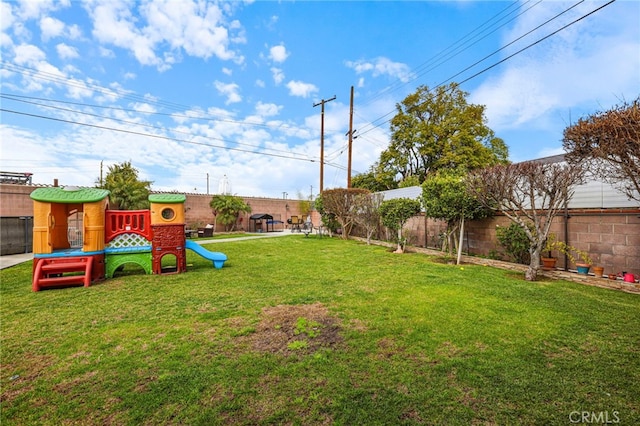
pixel 610 237
pixel 15 201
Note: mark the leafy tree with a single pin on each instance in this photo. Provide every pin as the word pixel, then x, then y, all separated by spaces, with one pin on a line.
pixel 395 213
pixel 304 204
pixel 610 142
pixel 227 209
pixel 127 191
pixel 437 129
pixel 531 194
pixel 340 202
pixel 409 181
pixel 328 219
pixel 374 180
pixel 445 197
pixel 367 208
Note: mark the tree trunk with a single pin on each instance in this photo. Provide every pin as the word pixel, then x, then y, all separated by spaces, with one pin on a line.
pixel 400 249
pixel 460 240
pixel 532 271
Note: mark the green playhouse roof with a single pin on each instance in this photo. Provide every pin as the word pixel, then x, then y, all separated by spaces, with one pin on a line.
pixel 69 194
pixel 167 198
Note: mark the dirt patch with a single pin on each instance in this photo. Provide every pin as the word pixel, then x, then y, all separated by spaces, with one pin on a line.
pixel 295 329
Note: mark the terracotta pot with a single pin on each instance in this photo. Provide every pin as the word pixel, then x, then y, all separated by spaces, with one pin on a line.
pixel 598 271
pixel 613 276
pixel 549 263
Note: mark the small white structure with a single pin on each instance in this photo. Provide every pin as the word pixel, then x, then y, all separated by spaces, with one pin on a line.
pixel 224 187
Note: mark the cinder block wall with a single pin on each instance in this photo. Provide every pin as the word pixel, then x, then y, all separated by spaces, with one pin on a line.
pixel 610 237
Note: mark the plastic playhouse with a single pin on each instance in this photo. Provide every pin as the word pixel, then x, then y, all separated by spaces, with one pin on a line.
pixel 77 240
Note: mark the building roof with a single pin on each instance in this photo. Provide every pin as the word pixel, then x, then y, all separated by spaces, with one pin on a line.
pixel 69 194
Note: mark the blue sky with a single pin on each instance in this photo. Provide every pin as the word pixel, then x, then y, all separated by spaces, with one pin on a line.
pixel 191 91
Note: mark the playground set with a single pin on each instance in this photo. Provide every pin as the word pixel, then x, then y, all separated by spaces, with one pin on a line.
pixel 77 240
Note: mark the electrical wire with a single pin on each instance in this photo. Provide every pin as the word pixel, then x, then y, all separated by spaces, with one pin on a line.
pixel 96 126
pixel 501 61
pixel 137 124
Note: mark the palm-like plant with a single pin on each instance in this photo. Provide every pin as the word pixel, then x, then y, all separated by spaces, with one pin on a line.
pixel 227 209
pixel 126 190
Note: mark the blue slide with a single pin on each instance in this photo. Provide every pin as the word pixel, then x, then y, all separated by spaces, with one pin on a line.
pixel 217 258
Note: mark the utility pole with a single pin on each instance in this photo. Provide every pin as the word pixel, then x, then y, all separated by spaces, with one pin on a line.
pixel 207 183
pixel 322 102
pixel 350 139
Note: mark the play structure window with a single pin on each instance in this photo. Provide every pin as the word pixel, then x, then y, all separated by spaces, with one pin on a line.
pixel 74 229
pixel 168 213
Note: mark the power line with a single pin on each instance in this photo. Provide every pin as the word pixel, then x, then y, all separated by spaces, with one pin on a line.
pixel 163 137
pixel 505 59
pixel 134 123
pixel 454 49
pixel 207 117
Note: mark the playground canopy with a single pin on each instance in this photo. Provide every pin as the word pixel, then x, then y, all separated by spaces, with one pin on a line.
pixel 257 220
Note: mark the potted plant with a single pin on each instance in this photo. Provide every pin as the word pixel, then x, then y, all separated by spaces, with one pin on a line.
pixel 571 252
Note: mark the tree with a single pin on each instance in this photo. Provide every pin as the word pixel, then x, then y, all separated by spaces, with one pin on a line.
pixel 610 142
pixel 531 194
pixel 367 208
pixel 437 129
pixel 374 180
pixel 328 219
pixel 227 209
pixel 127 191
pixel 395 213
pixel 445 197
pixel 340 202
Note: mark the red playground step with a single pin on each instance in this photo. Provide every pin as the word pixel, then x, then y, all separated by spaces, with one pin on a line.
pixel 50 272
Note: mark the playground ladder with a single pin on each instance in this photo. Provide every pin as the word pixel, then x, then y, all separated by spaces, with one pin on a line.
pixel 50 272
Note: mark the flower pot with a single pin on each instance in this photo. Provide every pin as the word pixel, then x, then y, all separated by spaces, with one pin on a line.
pixel 598 271
pixel 549 263
pixel 613 276
pixel 629 278
pixel 583 268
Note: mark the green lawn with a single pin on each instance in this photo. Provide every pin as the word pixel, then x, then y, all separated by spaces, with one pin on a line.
pixel 297 330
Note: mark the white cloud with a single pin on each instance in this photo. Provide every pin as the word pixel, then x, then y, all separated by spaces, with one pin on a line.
pixel 66 52
pixel 227 71
pixel 229 90
pixel 28 54
pixel 278 53
pixel 106 53
pixel 278 75
pixel 197 28
pixel 114 24
pixel 35 9
pixel 51 27
pixel 299 88
pixel 6 16
pixel 382 66
pixel 568 72
pixel 74 32
pixel 260 83
pixel 267 110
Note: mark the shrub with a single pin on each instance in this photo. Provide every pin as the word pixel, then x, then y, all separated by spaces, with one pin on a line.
pixel 515 243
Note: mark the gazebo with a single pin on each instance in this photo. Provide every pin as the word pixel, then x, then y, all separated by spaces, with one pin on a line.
pixel 260 222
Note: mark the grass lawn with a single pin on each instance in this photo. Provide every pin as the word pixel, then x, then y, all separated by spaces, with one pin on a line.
pixel 297 330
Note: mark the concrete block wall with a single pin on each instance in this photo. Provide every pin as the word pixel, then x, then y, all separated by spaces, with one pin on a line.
pixel 610 237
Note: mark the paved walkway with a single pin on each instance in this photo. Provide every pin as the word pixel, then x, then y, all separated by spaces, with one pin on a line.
pixel 16 259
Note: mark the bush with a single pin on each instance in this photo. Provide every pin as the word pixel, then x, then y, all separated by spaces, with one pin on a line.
pixel 515 243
